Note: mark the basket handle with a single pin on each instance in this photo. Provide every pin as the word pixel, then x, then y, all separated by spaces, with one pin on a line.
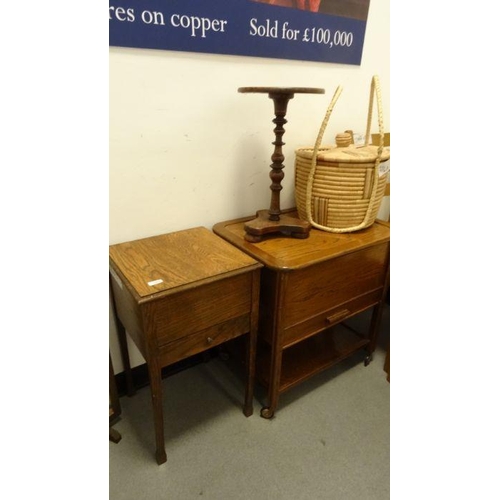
pixel 317 145
pixel 374 89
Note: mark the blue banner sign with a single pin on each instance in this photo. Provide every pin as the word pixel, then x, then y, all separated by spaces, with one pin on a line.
pixel 314 30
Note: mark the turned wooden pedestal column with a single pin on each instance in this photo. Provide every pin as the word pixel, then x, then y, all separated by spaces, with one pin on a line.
pixel 273 220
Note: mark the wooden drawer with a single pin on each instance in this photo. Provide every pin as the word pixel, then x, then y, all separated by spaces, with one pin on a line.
pixel 206 339
pixel 329 318
pixel 316 289
pixel 181 314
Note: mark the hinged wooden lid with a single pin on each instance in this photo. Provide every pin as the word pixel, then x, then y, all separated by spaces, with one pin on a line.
pixel 168 261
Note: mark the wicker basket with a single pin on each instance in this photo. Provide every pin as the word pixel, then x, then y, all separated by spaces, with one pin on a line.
pixel 340 189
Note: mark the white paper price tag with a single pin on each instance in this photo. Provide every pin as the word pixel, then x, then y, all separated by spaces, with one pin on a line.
pixel 155 282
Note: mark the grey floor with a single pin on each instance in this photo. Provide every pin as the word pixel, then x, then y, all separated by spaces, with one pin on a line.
pixel 329 438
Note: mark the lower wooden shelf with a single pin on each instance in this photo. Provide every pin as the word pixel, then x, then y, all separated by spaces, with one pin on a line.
pixel 313 355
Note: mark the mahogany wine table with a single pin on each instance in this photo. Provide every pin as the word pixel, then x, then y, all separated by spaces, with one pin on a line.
pixel 272 221
pixel 180 294
pixel 307 287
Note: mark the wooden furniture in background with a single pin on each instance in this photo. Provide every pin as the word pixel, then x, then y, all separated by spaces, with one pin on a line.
pixel 387 365
pixel 180 294
pixel 114 404
pixel 307 287
pixel 387 139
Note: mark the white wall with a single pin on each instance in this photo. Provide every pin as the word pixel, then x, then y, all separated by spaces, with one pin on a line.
pixel 186 149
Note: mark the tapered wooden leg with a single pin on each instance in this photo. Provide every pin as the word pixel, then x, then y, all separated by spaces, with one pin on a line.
pixel 250 375
pixel 156 396
pixel 375 327
pixel 274 383
pixel 387 364
pixel 114 435
pixel 122 341
pixel 251 346
pixel 377 318
pixel 276 348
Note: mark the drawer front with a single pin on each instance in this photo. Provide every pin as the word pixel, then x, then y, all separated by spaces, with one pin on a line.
pixel 329 318
pixel 201 341
pixel 319 288
pixel 182 314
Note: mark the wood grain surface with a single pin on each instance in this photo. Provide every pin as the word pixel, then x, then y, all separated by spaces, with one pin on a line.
pixel 284 254
pixel 176 259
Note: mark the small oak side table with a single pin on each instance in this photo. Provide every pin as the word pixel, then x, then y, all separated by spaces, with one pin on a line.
pixel 307 287
pixel 180 294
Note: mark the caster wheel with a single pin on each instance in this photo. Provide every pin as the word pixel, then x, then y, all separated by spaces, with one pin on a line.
pixel 368 359
pixel 266 413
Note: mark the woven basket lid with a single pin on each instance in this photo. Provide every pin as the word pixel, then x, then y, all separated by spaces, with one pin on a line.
pixel 345 152
pixel 349 154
